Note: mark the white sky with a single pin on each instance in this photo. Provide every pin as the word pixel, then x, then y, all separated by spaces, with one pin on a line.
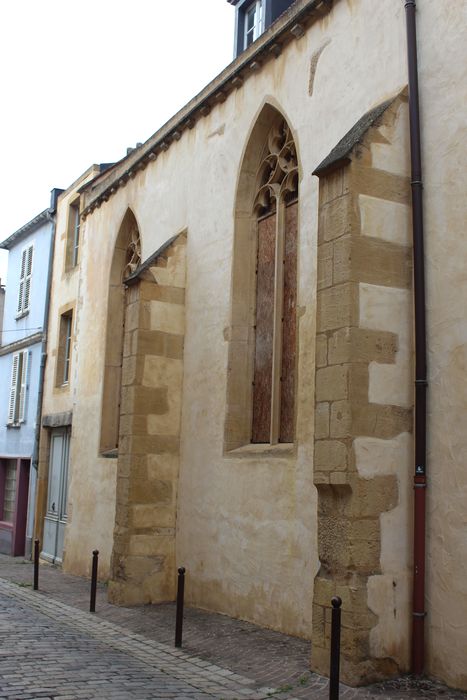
pixel 81 81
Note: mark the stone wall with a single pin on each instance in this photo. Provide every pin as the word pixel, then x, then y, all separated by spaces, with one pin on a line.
pixel 364 402
pixel 143 559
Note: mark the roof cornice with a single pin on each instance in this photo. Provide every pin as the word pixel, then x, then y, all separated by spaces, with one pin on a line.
pixel 291 25
pixel 39 220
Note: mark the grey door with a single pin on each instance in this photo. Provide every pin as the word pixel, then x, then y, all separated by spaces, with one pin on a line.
pixel 57 497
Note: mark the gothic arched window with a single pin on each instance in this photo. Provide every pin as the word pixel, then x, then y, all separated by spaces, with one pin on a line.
pixel 262 367
pixel 273 396
pixel 126 259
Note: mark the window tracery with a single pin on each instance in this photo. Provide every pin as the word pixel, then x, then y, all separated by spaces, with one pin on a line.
pixel 133 252
pixel 278 172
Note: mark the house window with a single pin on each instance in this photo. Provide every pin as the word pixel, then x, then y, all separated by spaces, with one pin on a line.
pixel 18 388
pixel 64 349
pixel 254 22
pixel 72 241
pixel 273 396
pixel 24 291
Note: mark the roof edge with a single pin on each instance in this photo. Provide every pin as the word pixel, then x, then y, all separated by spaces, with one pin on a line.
pixel 42 218
pixel 267 47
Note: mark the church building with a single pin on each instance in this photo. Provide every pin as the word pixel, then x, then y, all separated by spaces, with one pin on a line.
pixel 235 370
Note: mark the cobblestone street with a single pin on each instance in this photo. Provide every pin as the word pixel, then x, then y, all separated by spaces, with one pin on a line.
pixel 51 647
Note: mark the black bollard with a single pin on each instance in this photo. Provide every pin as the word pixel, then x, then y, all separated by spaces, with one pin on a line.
pixel 179 615
pixel 36 565
pixel 335 648
pixel 95 562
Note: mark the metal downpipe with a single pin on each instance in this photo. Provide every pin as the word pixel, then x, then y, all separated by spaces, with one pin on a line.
pixel 420 481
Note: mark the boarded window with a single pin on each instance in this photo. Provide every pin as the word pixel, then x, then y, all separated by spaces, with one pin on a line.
pixel 273 414
pixel 289 323
pixel 262 392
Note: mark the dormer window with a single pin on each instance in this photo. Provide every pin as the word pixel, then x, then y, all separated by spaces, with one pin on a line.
pixel 253 17
pixel 254 22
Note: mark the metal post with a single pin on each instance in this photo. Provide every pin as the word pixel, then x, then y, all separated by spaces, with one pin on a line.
pixel 335 648
pixel 179 615
pixel 36 565
pixel 95 562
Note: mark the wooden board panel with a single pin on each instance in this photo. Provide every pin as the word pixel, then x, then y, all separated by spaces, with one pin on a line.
pixel 289 327
pixel 264 330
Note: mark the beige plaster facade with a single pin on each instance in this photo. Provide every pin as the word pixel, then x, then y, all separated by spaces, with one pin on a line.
pixel 269 532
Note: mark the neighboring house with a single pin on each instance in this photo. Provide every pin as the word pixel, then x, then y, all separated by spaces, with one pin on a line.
pixel 21 351
pixel 59 376
pixel 237 348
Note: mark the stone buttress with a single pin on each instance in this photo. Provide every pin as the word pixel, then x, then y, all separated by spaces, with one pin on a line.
pixel 363 420
pixel 143 559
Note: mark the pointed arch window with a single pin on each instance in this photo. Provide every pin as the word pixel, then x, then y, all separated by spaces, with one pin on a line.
pixel 126 259
pixel 275 207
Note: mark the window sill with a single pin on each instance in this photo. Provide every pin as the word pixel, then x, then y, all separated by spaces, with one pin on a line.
pixel 109 454
pixel 5 525
pixel 14 426
pixel 282 449
pixel 21 315
pixel 62 388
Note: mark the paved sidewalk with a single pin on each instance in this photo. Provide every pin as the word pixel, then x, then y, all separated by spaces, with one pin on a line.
pixel 48 637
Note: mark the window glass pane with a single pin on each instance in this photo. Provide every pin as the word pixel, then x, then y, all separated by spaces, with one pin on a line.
pixel 10 491
pixel 75 235
pixel 250 18
pixel 66 367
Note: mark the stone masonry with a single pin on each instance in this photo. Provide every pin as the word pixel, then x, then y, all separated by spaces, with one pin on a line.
pixel 360 259
pixel 143 560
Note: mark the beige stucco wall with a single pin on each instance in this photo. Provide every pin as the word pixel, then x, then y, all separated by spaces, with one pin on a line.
pixel 443 79
pixel 246 528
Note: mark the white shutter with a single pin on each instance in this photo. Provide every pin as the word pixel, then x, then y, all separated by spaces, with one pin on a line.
pixel 27 284
pixel 20 296
pixel 22 275
pixel 30 251
pixel 23 386
pixel 13 388
pixel 24 291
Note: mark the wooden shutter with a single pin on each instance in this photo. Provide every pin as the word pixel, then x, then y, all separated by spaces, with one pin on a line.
pixel 24 365
pixel 262 388
pixel 289 323
pixel 13 388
